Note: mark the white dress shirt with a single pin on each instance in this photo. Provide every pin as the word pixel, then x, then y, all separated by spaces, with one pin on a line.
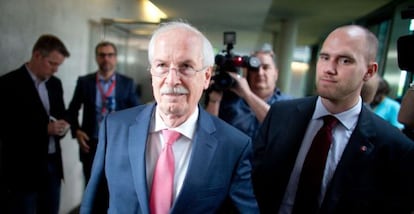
pixel 181 148
pixel 44 97
pixel 341 134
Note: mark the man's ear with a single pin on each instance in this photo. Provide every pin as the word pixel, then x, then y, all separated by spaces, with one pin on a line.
pixel 36 54
pixel 372 70
pixel 208 77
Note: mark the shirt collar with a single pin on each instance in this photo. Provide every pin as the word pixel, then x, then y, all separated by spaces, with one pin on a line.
pixel 102 79
pixel 348 118
pixel 36 80
pixel 186 129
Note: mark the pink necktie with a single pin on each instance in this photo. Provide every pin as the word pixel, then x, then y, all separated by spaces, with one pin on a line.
pixel 162 183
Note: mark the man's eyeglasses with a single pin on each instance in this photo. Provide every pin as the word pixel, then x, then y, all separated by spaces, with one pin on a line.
pixel 103 55
pixel 184 71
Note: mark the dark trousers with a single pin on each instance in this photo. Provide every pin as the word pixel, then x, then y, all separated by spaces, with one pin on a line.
pixel 35 202
pixel 87 159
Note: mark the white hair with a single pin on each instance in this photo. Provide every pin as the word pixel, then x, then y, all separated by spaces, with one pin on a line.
pixel 208 52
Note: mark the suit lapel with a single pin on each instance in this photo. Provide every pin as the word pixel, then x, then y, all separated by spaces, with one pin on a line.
pixel 119 88
pixel 300 122
pixel 33 94
pixel 91 86
pixel 136 148
pixel 290 140
pixel 359 148
pixel 204 147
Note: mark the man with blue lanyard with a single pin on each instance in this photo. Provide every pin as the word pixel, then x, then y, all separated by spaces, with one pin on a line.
pixel 100 93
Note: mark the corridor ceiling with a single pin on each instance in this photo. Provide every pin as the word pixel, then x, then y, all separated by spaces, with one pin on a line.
pixel 252 18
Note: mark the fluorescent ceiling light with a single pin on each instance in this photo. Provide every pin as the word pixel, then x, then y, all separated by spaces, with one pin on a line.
pixel 152 13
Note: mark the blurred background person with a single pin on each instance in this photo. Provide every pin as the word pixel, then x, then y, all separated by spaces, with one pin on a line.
pixel 246 103
pixel 98 93
pixel 384 106
pixel 369 89
pixel 30 130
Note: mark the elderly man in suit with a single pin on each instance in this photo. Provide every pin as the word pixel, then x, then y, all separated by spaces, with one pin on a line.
pixel 98 93
pixel 368 165
pixel 31 127
pixel 208 168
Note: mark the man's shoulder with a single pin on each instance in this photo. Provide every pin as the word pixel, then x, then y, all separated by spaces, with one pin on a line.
pixel 123 77
pixel 279 95
pixel 10 77
pixel 220 126
pixel 295 101
pixel 371 124
pixel 54 80
pixel 89 76
pixel 145 108
pixel 13 73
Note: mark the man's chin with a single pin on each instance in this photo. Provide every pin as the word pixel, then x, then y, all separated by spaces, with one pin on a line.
pixel 173 109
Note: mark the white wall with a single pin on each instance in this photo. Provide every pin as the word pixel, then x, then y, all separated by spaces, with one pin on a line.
pixel 75 22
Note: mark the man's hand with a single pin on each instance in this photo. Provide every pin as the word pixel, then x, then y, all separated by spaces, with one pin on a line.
pixel 241 88
pixel 58 127
pixel 82 139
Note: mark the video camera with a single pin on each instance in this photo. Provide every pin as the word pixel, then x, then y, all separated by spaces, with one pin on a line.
pixel 227 61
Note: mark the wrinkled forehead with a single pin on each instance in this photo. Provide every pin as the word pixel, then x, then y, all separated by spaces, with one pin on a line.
pixel 179 36
pixel 175 44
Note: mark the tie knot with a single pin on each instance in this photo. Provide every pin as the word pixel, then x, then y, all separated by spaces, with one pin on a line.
pixel 170 136
pixel 329 121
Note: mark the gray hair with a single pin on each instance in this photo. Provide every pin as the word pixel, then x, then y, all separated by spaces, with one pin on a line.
pixel 208 52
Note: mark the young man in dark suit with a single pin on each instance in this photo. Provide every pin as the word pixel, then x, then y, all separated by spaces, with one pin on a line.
pixel 369 163
pixel 30 130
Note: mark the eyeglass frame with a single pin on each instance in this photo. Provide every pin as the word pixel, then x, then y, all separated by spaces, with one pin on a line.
pixel 103 55
pixel 178 71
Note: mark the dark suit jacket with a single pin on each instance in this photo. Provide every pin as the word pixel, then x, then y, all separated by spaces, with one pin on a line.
pixel 219 167
pixel 23 129
pixel 85 95
pixel 377 180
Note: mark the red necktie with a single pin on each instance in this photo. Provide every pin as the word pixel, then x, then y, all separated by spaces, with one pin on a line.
pixel 162 183
pixel 310 181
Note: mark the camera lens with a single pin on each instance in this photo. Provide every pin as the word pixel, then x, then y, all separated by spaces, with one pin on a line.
pixel 254 62
pixel 223 81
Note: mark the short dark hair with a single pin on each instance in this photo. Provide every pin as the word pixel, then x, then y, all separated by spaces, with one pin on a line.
pixel 383 87
pixel 103 44
pixel 48 43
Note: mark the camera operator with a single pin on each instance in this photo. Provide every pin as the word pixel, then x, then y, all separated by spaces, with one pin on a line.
pixel 246 104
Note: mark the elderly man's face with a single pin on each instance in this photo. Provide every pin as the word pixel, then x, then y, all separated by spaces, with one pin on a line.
pixel 178 92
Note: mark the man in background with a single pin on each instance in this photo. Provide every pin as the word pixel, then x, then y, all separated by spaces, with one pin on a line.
pixel 369 90
pixel 246 103
pixel 30 130
pixel 384 106
pixel 99 94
